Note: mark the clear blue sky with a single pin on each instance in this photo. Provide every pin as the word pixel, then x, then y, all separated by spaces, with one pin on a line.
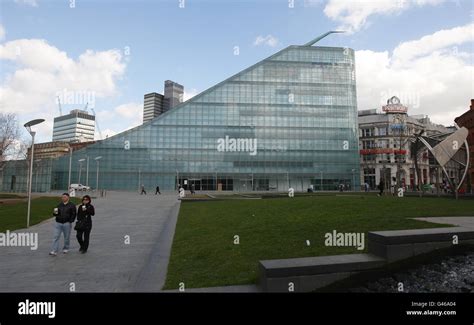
pixel 194 45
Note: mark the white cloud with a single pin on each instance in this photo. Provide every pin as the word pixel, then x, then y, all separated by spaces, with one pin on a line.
pixel 107 133
pixel 43 71
pixel 32 3
pixel 268 40
pixel 353 15
pixel 190 94
pixel 132 113
pixel 118 119
pixel 2 32
pixel 437 82
pixel 436 41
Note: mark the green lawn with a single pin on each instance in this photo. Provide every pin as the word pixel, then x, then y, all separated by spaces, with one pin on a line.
pixel 204 253
pixel 11 196
pixel 13 216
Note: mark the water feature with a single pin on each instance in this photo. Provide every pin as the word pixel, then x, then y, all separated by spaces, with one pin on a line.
pixel 449 274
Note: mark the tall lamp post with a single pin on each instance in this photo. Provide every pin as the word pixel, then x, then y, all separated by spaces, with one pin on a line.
pixel 321 180
pixel 80 169
pixel 70 165
pixel 37 161
pixel 401 118
pixel 97 176
pixel 353 179
pixel 87 171
pixel 28 126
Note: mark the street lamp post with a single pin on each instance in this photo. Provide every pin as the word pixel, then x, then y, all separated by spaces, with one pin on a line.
pixel 402 120
pixel 139 179
pixel 87 171
pixel 97 176
pixel 28 126
pixel 36 174
pixel 321 181
pixel 80 170
pixel 177 180
pixel 353 179
pixel 70 165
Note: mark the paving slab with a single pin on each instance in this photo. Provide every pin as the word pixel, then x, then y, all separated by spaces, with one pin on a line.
pixel 467 222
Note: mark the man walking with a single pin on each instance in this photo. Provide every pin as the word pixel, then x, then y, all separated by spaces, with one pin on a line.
pixel 65 214
pixel 143 190
pixel 157 190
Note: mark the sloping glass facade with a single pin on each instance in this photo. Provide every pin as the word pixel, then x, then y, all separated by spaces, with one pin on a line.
pixel 287 121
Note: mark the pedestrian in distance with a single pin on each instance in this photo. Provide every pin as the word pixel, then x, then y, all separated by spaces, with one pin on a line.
pixel 393 185
pixel 83 227
pixel 381 187
pixel 157 190
pixel 143 190
pixel 65 214
pixel 192 189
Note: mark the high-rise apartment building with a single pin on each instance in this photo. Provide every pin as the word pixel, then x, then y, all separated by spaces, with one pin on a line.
pixel 152 106
pixel 173 94
pixel 77 126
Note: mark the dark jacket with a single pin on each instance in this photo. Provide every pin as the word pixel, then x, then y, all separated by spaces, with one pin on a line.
pixel 381 185
pixel 66 212
pixel 86 215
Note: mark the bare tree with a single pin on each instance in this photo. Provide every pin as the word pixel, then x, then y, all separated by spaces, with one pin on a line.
pixel 10 142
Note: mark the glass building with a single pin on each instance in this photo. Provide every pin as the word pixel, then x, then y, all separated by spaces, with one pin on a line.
pixel 288 121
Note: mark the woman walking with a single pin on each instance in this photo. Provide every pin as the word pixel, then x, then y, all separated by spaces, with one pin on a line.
pixel 84 223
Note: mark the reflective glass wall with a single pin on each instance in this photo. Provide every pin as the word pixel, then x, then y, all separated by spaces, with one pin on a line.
pixel 288 121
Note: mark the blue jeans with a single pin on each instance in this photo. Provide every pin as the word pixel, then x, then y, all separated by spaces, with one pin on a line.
pixel 65 229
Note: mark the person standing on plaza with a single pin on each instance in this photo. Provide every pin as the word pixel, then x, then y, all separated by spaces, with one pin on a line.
pixel 381 187
pixel 393 184
pixel 85 211
pixel 65 214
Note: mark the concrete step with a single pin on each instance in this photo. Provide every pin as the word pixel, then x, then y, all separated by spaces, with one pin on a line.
pixel 311 273
pixel 393 237
pixel 320 264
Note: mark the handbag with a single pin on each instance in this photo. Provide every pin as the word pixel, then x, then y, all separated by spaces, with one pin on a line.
pixel 80 225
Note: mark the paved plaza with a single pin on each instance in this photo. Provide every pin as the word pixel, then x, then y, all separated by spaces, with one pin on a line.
pixel 110 265
pixel 467 222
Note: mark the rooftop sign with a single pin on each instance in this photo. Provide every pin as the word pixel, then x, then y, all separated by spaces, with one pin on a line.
pixel 394 106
